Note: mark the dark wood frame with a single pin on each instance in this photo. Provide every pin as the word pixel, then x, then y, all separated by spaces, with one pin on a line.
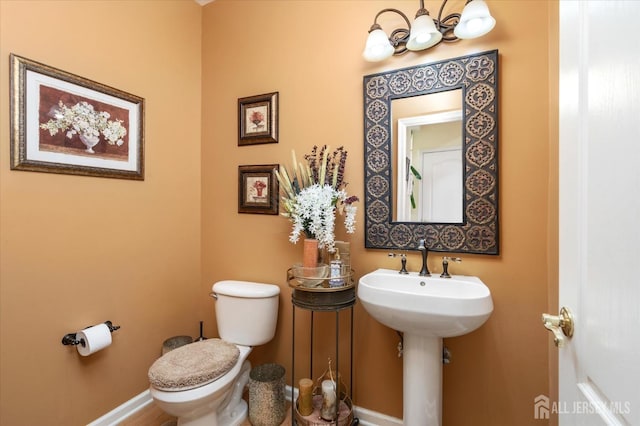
pixel 270 203
pixel 268 102
pixel 27 78
pixel 477 76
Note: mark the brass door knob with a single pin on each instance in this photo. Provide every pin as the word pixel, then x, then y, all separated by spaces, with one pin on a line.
pixel 560 325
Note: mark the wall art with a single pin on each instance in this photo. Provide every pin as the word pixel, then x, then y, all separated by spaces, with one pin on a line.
pixel 258 119
pixel 64 123
pixel 258 189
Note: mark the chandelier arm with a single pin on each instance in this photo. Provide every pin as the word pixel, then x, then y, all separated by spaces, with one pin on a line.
pixel 447 25
pixel 400 36
pixel 441 9
pixel 375 20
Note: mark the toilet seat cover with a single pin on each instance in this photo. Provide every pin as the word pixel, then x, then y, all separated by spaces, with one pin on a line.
pixel 193 365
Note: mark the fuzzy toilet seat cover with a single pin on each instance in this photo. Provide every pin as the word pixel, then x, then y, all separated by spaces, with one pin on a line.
pixel 193 365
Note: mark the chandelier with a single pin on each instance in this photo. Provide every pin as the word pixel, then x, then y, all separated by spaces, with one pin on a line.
pixel 425 32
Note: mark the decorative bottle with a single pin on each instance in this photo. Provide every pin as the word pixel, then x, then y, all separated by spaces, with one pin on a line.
pixel 335 272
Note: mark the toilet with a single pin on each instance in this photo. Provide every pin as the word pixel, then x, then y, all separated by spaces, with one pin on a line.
pixel 202 383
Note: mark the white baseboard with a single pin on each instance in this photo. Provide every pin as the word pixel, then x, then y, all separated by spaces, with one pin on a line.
pixel 124 411
pixel 373 418
pixel 119 414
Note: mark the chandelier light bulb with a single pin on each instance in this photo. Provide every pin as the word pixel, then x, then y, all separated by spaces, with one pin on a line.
pixel 423 33
pixel 475 21
pixel 378 47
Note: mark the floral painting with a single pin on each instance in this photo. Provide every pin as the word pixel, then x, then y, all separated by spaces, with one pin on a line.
pixel 63 123
pixel 81 126
pixel 258 189
pixel 258 119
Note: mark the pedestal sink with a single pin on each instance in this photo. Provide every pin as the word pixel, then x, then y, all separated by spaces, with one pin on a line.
pixel 425 309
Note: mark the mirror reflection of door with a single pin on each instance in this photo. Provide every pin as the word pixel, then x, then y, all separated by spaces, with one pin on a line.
pixel 441 187
pixel 429 182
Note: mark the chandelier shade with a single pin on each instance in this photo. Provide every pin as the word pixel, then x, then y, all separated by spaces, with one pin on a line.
pixel 475 21
pixel 378 47
pixel 424 34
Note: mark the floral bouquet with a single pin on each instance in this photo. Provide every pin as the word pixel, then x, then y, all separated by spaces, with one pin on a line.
pixel 83 119
pixel 312 193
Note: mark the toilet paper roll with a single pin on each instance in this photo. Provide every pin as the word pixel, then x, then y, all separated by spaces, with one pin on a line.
pixel 95 338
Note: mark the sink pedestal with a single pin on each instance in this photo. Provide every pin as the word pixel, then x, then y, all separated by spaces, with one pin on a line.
pixel 422 380
pixel 426 310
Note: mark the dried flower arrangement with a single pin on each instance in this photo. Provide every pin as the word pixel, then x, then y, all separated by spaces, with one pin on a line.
pixel 313 192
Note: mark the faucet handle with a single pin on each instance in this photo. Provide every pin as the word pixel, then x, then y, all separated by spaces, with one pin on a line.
pixel 445 265
pixel 403 262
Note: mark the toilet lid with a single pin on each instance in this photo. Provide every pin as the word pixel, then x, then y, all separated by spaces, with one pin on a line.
pixel 193 365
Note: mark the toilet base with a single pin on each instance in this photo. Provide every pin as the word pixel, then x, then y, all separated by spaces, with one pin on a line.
pixel 235 417
pixel 226 409
pixel 226 418
pixel 208 420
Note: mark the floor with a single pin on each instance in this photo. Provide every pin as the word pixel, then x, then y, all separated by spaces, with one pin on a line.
pixel 154 416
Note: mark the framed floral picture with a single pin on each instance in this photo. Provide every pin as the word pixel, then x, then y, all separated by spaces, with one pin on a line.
pixel 63 123
pixel 258 119
pixel 258 189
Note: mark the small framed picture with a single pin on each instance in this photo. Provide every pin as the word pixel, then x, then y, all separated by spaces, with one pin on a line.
pixel 258 119
pixel 258 189
pixel 64 123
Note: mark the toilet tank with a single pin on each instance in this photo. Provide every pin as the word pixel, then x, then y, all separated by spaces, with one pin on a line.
pixel 246 312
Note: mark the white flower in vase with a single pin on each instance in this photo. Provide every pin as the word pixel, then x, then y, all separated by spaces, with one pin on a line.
pixel 83 120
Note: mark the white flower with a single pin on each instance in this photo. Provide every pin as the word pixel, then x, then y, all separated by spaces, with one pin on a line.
pixel 313 212
pixel 313 193
pixel 350 218
pixel 83 118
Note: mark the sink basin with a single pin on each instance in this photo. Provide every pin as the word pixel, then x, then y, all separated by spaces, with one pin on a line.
pixel 425 309
pixel 426 306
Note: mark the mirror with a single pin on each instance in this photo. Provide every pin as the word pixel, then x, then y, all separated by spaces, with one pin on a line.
pixel 465 219
pixel 427 146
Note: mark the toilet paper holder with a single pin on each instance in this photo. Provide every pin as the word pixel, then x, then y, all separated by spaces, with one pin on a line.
pixel 70 339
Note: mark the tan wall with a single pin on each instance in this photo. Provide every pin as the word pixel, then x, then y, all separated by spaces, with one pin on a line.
pixel 75 251
pixel 310 51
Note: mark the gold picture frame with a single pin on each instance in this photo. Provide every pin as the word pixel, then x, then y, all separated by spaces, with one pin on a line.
pixel 64 123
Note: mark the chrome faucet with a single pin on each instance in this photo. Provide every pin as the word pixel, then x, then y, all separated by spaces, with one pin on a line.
pixel 422 246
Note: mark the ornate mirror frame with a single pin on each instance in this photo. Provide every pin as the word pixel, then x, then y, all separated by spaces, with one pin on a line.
pixel 477 76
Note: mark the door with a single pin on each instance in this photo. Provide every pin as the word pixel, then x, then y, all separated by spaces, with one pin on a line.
pixel 600 212
pixel 441 186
